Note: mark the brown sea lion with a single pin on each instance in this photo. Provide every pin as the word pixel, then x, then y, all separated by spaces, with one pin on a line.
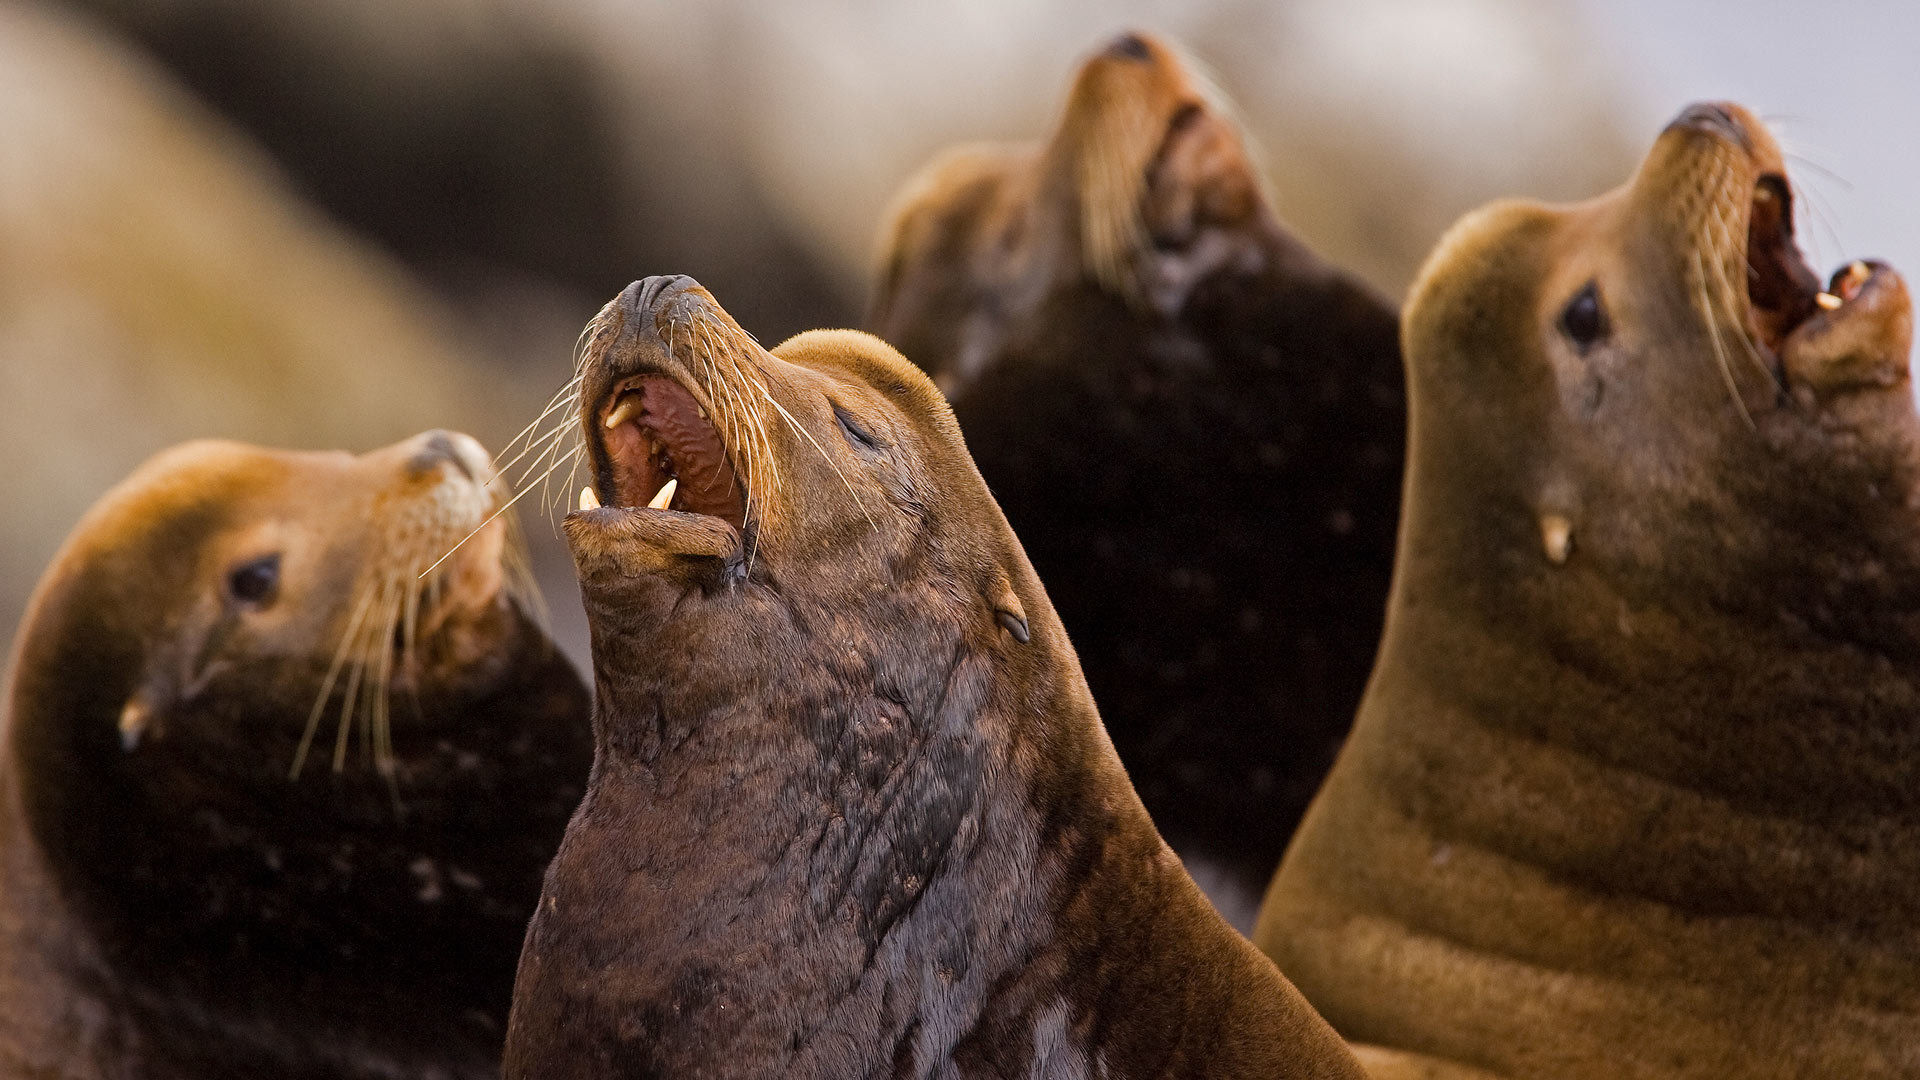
pixel 852 811
pixel 1195 425
pixel 1635 789
pixel 271 805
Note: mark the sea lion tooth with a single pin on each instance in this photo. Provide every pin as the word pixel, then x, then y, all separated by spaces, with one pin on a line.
pixel 588 500
pixel 930 737
pixel 664 495
pixel 1556 536
pixel 624 410
pixel 135 717
pixel 1688 772
pixel 1828 301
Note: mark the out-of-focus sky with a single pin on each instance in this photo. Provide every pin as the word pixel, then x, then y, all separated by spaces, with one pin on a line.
pixel 1835 82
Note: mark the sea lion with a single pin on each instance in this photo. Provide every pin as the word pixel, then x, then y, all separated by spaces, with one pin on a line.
pixel 1635 789
pixel 852 812
pixel 270 803
pixel 1195 424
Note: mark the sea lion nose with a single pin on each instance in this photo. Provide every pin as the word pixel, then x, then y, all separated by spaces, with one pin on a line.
pixel 440 446
pixel 1128 46
pixel 1715 118
pixel 644 295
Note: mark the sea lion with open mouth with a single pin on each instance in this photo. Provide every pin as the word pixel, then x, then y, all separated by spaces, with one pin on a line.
pixel 852 811
pixel 271 803
pixel 1635 789
pixel 1195 425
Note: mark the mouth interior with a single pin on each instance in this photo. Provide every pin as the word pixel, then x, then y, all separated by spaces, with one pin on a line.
pixel 1783 292
pixel 655 432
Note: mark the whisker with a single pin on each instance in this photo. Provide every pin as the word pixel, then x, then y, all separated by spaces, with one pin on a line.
pixel 508 505
pixel 349 704
pixel 1713 333
pixel 824 456
pixel 1727 295
pixel 570 391
pixel 326 685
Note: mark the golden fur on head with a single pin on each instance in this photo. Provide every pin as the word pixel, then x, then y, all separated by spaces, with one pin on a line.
pixel 347 543
pixel 1119 116
pixel 1144 163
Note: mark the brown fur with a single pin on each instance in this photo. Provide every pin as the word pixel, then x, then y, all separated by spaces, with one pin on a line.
pixel 853 812
pixel 172 902
pixel 1194 424
pixel 1635 788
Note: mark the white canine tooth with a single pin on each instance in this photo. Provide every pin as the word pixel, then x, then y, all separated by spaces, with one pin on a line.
pixel 1857 272
pixel 624 411
pixel 664 496
pixel 1556 536
pixel 1827 300
pixel 588 500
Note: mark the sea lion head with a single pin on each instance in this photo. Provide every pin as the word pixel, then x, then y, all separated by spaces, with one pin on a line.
pixel 1651 394
pixel 229 608
pixel 222 627
pixel 1144 188
pixel 741 496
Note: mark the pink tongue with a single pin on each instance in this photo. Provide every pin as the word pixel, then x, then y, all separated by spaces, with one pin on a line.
pixel 707 481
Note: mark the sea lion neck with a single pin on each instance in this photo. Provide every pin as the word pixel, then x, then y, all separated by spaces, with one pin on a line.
pixel 172 869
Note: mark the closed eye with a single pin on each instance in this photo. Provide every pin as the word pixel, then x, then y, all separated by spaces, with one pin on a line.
pixel 858 436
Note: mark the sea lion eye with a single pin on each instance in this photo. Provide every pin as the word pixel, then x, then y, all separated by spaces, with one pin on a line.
pixel 857 435
pixel 1584 320
pixel 255 581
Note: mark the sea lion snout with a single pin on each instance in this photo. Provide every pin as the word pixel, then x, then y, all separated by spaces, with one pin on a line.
pixel 645 295
pixel 1128 46
pixel 432 449
pixel 1722 118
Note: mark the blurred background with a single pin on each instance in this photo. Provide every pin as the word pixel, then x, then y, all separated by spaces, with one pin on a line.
pixel 332 224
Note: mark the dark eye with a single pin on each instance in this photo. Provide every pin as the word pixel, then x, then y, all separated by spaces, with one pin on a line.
pixel 256 581
pixel 857 435
pixel 1584 321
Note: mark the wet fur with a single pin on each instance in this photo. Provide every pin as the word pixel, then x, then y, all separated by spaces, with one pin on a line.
pixel 1648 809
pixel 842 821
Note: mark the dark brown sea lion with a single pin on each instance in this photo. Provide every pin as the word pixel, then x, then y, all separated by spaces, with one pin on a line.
pixel 852 811
pixel 1635 790
pixel 172 902
pixel 1195 425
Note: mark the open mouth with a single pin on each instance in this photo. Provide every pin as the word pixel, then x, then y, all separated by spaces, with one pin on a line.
pixel 1784 294
pixel 663 453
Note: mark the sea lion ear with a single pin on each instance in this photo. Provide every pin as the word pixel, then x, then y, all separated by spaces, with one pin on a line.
pixel 1200 197
pixel 1007 609
pixel 175 673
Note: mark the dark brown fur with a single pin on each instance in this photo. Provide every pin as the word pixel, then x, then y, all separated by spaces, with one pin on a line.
pixel 172 905
pixel 852 811
pixel 1195 425
pixel 1635 790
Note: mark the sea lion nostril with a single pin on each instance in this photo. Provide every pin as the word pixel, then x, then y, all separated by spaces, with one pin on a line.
pixel 1714 118
pixel 646 294
pixel 436 447
pixel 1131 46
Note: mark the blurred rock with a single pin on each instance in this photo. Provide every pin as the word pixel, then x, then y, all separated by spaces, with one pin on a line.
pixel 754 144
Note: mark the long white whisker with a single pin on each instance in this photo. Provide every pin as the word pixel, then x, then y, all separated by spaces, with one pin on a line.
pixel 347 639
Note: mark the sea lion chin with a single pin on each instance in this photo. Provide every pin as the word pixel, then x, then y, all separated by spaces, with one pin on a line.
pixel 1194 423
pixel 1635 784
pixel 276 798
pixel 852 811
